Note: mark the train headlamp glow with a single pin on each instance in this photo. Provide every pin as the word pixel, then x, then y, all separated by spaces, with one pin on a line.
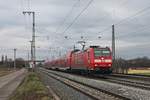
pixel 97 60
pixel 108 60
pixel 109 64
pixel 96 65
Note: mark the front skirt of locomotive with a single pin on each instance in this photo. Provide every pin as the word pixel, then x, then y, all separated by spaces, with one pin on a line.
pixel 102 68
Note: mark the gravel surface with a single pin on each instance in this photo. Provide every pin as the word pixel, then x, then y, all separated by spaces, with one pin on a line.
pixel 129 82
pixel 134 78
pixel 62 90
pixel 130 92
pixel 96 94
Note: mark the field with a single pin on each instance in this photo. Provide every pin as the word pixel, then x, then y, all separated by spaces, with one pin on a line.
pixel 31 89
pixel 139 71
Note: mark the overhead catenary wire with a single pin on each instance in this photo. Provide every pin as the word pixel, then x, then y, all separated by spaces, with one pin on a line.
pixel 106 29
pixel 25 4
pixel 67 16
pixel 135 14
pixel 109 27
pixel 141 30
pixel 89 3
pixel 124 2
pixel 123 20
pixel 29 5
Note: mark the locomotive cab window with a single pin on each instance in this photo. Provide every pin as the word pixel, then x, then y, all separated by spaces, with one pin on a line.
pixel 101 52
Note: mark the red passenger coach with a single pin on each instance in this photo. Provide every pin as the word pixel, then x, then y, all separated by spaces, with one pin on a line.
pixel 93 59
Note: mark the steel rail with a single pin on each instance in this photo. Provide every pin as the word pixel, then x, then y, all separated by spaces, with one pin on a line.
pixel 132 76
pixel 128 82
pixel 109 93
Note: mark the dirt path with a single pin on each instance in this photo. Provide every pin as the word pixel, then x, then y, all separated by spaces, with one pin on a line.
pixel 10 82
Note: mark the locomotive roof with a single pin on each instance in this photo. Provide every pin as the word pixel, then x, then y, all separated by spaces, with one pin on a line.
pixel 94 46
pixel 98 47
pixel 77 50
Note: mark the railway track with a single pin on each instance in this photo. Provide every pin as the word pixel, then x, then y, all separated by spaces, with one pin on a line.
pixel 137 81
pixel 89 90
pixel 122 89
pixel 132 76
pixel 128 82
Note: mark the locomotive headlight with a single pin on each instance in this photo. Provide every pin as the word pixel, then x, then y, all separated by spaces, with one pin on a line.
pixel 109 64
pixel 97 60
pixel 96 65
pixel 108 60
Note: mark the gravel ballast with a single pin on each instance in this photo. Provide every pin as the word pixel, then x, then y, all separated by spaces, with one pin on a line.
pixel 63 91
pixel 127 91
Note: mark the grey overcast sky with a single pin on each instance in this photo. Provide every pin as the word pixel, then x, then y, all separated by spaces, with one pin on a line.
pixel 54 16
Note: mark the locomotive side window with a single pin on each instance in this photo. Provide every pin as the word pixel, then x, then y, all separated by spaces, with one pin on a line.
pixel 101 52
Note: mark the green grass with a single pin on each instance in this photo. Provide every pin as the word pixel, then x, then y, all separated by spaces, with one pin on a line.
pixel 31 89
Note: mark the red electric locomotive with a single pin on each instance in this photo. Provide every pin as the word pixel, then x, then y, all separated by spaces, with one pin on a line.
pixel 93 59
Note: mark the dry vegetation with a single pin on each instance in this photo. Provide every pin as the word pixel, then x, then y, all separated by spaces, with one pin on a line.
pixel 139 71
pixel 31 89
pixel 5 71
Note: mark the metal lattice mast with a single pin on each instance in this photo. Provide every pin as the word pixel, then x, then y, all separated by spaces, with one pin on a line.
pixel 33 54
pixel 113 46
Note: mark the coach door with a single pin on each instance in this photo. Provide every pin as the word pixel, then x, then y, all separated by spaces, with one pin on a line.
pixel 88 57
